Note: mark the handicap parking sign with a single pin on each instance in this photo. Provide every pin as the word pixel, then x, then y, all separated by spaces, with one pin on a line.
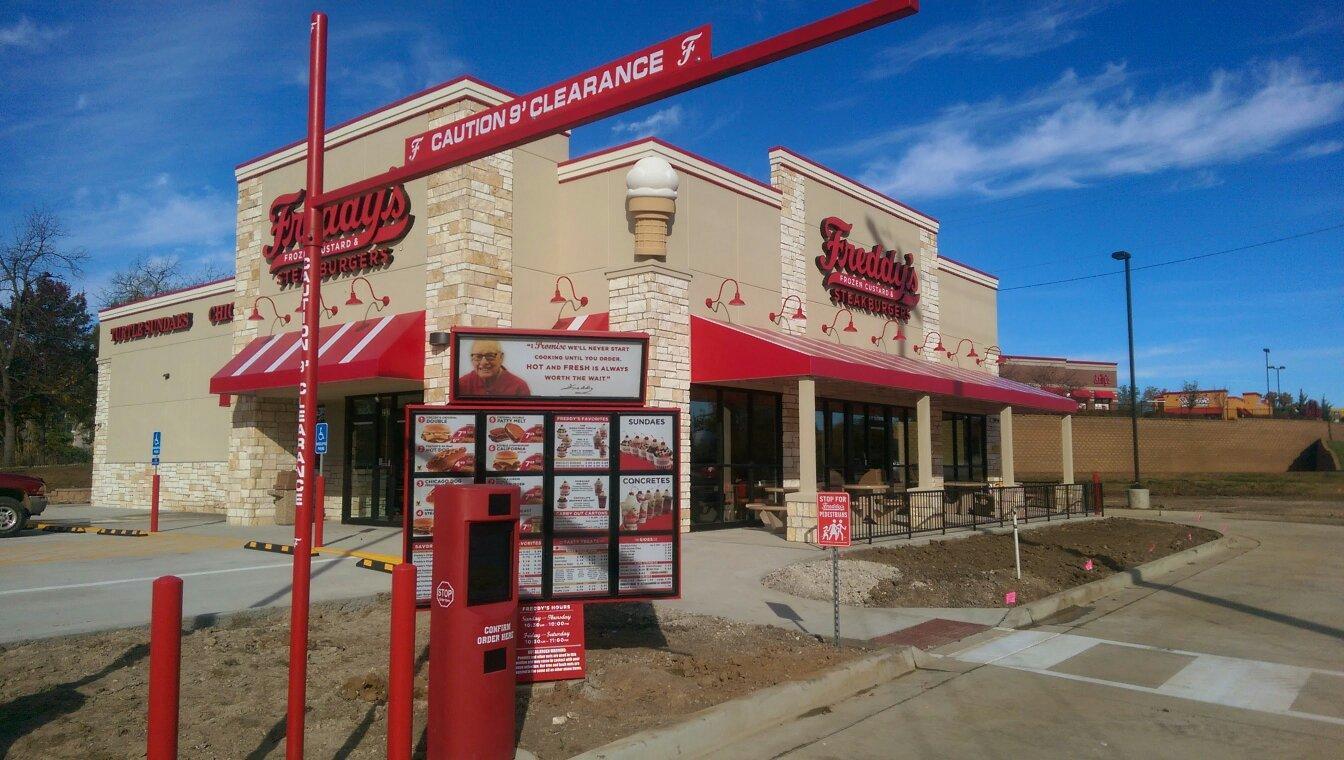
pixel 156 448
pixel 321 438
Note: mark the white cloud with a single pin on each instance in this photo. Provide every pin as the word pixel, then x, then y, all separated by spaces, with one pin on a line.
pixel 1318 149
pixel 24 34
pixel 1014 35
pixel 1079 131
pixel 659 121
pixel 1200 180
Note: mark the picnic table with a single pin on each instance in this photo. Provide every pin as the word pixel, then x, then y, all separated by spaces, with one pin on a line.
pixel 773 512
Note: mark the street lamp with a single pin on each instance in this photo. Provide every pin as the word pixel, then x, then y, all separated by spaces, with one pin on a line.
pixel 1278 379
pixel 1267 368
pixel 1138 497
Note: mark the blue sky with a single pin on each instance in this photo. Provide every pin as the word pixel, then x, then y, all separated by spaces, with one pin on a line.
pixel 1043 136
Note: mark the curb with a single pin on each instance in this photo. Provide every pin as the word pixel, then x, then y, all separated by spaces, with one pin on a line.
pixel 715 727
pixel 376 564
pixel 1039 610
pixel 263 546
pixel 121 532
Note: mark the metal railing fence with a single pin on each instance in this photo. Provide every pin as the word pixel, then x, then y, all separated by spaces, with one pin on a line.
pixel 911 513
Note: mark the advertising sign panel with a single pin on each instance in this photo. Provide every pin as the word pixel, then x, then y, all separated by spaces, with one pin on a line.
pixel 833 519
pixel 598 520
pixel 514 366
pixel 550 643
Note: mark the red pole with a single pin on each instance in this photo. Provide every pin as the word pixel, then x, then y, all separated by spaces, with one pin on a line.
pixel 306 456
pixel 154 503
pixel 401 663
pixel 1096 493
pixel 320 501
pixel 165 667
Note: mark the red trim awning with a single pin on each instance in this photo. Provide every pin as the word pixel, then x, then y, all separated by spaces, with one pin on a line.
pixel 1082 394
pixel 722 352
pixel 1103 395
pixel 385 347
pixel 599 321
pixel 1055 389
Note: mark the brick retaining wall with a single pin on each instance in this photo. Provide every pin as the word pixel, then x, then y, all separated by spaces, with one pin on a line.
pixel 1102 444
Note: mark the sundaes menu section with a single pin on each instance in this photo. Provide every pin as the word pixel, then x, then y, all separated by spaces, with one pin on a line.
pixel 598 515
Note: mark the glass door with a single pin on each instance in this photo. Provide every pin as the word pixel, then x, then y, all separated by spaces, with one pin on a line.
pixel 374 458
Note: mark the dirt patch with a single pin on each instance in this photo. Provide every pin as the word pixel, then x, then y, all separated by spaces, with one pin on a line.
pixel 84 696
pixel 813 580
pixel 977 571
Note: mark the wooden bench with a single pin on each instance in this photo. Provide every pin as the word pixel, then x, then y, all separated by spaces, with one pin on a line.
pixel 771 515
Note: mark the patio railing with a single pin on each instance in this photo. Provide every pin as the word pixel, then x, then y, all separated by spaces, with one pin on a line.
pixel 912 513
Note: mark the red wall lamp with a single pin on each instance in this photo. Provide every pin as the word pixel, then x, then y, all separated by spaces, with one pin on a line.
pixel 255 316
pixel 353 300
pixel 998 359
pixel 329 311
pixel 713 303
pixel 829 329
pixel 924 345
pixel 971 355
pixel 581 301
pixel 899 336
pixel 778 317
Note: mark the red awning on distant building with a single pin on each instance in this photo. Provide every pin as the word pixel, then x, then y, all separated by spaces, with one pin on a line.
pixel 386 347
pixel 722 352
pixel 1082 394
pixel 599 321
pixel 1103 395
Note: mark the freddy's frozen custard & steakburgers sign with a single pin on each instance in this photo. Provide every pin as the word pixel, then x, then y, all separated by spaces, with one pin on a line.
pixel 881 282
pixel 352 230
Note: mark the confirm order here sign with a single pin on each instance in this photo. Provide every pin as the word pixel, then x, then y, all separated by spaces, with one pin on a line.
pixel 833 519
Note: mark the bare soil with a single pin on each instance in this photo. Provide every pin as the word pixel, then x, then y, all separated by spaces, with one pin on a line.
pixel 84 696
pixel 977 571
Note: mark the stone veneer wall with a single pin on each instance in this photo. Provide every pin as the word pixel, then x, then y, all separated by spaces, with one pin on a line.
pixel 993 448
pixel 469 258
pixel 103 491
pixel 792 240
pixel 654 299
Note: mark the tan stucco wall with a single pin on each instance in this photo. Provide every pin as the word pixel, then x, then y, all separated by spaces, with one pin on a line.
pixel 141 400
pixel 970 310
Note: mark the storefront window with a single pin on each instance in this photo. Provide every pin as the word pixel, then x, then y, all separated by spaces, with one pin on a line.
pixel 964 447
pixel 735 453
pixel 862 443
pixel 374 477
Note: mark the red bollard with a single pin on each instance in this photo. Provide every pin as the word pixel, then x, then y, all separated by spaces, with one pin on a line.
pixel 320 515
pixel 154 505
pixel 401 663
pixel 1097 507
pixel 165 667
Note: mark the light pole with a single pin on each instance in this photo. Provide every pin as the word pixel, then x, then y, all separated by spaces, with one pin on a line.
pixel 1267 389
pixel 1278 381
pixel 1138 497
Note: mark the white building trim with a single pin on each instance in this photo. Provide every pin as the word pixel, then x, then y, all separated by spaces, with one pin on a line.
pixel 224 287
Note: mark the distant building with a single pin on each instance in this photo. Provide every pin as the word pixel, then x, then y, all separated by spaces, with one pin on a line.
pixel 1091 384
pixel 1214 403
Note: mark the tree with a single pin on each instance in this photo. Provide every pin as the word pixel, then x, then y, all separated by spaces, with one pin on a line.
pixel 149 276
pixel 1189 394
pixel 27 261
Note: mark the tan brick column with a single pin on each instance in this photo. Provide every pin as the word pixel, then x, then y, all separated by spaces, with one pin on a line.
pixel 469 254
pixel 655 299
pixel 1066 447
pixel 792 240
pixel 1007 466
pixel 801 517
pixel 102 483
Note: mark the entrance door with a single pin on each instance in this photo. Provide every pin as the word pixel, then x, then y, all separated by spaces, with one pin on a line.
pixel 374 458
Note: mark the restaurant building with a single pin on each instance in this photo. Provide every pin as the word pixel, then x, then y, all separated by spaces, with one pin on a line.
pixel 1091 383
pixel 808 326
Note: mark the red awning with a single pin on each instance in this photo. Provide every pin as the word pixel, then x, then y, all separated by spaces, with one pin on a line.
pixel 386 347
pixel 722 352
pixel 1056 389
pixel 1082 394
pixel 1103 395
pixel 598 321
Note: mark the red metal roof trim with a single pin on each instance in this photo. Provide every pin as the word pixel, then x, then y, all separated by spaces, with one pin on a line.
pixel 723 353
pixel 599 321
pixel 390 347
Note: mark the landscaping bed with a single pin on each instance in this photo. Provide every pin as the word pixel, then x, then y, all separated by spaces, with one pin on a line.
pixel 977 570
pixel 84 696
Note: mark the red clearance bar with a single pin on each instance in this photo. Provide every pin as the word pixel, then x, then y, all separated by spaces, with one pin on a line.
pixel 550 108
pixel 493 135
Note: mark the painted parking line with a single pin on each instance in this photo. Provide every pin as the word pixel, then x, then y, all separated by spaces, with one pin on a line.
pixel 97 584
pixel 1230 681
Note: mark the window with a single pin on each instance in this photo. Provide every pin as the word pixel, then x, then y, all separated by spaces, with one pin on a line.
pixel 859 442
pixel 736 452
pixel 964 447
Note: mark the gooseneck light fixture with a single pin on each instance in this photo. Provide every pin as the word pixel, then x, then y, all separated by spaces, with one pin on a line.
pixel 713 303
pixel 575 301
pixel 998 358
pixel 831 329
pixel 779 316
pixel 924 344
pixel 379 302
pixel 971 355
pixel 327 311
pixel 255 316
pixel 899 336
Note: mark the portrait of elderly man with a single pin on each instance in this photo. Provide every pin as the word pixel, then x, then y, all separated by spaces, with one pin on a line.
pixel 488 375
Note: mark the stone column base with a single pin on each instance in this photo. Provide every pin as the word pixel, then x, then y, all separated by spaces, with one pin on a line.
pixel 801 518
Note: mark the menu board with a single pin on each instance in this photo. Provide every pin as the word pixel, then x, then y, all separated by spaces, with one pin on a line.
pixel 582 442
pixel 445 443
pixel 580 503
pixel 579 566
pixel 645 564
pixel 598 516
pixel 550 642
pixel 647 441
pixel 422 556
pixel 515 442
pixel 522 367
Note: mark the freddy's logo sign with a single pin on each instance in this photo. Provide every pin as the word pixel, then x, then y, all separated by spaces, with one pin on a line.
pixel 378 216
pixel 877 281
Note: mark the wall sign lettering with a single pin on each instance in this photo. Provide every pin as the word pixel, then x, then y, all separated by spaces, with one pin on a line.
pixel 221 313
pixel 870 279
pixel 378 216
pixel 152 327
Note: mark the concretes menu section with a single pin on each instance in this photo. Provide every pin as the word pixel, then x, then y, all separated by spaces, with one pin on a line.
pixel 646 503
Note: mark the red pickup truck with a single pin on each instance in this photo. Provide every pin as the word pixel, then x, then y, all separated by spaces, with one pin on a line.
pixel 21 497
